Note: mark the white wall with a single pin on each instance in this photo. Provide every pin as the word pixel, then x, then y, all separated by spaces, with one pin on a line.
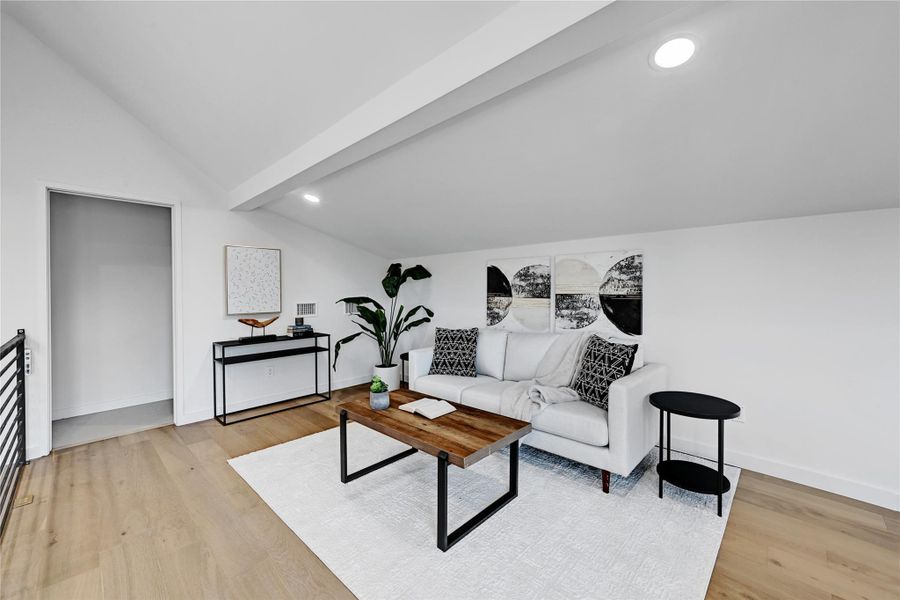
pixel 111 308
pixel 796 320
pixel 59 128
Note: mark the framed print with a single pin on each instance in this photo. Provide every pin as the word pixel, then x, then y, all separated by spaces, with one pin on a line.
pixel 252 280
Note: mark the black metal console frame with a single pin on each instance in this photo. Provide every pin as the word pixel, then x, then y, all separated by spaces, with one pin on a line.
pixel 222 358
pixel 445 540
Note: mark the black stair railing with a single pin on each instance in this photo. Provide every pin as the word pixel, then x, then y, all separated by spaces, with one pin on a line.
pixel 12 417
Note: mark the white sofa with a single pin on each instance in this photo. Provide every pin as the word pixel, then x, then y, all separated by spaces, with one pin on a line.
pixel 614 441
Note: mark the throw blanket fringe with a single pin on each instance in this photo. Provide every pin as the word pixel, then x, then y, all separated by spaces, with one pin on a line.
pixel 555 373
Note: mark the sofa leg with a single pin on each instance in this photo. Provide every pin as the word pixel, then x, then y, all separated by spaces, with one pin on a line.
pixel 605 475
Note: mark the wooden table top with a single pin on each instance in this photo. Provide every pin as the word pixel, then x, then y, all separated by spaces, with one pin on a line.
pixel 466 435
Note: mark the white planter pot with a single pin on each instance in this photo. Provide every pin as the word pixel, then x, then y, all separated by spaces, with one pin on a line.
pixel 389 375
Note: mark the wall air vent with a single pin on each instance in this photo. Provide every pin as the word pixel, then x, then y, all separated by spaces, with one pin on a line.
pixel 351 309
pixel 306 309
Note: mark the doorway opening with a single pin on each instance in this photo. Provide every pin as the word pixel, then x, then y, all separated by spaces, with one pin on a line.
pixel 111 317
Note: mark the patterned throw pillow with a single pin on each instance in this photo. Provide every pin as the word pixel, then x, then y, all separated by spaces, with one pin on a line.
pixel 454 352
pixel 602 363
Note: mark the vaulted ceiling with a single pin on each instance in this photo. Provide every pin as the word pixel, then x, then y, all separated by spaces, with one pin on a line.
pixel 234 86
pixel 440 127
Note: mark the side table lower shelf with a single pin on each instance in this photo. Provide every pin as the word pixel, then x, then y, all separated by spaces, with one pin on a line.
pixel 692 476
pixel 221 359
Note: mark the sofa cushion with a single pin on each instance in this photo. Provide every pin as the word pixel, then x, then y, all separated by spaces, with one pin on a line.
pixel 448 387
pixel 491 352
pixel 454 352
pixel 524 352
pixel 485 396
pixel 601 364
pixel 578 421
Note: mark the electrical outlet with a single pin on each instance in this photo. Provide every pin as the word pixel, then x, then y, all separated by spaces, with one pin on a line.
pixel 269 371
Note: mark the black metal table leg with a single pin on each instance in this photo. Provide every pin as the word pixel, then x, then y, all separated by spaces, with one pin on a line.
pixel 669 435
pixel 348 477
pixel 343 446
pixel 224 405
pixel 445 540
pixel 328 369
pixel 442 465
pixel 661 425
pixel 215 392
pixel 721 461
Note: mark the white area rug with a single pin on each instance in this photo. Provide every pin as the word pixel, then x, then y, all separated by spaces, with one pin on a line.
pixel 561 538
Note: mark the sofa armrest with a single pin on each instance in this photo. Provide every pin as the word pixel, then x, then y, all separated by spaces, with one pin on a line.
pixel 632 420
pixel 419 365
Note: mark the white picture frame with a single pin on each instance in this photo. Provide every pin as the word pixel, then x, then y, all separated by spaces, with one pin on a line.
pixel 252 280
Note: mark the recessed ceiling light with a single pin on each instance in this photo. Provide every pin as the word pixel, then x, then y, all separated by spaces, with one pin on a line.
pixel 673 53
pixel 311 198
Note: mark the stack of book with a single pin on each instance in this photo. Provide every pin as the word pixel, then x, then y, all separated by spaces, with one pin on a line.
pixel 298 329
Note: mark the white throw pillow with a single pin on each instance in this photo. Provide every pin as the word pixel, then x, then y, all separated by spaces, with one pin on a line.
pixel 490 355
pixel 524 352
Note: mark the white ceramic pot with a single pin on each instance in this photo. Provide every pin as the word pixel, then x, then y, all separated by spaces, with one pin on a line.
pixel 389 375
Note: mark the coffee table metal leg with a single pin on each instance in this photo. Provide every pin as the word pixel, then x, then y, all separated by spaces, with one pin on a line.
pixel 721 461
pixel 348 477
pixel 343 446
pixel 446 540
pixel 442 466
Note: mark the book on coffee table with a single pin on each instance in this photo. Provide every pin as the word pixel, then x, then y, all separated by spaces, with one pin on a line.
pixel 428 408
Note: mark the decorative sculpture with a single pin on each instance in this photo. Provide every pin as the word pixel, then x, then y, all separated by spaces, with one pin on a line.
pixel 256 324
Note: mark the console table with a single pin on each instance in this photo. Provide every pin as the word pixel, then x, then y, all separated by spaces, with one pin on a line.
pixel 682 473
pixel 221 358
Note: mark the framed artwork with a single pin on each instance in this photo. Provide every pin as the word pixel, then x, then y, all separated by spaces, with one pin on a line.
pixel 252 280
pixel 518 294
pixel 600 292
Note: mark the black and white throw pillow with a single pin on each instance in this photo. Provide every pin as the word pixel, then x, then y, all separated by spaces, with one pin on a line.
pixel 454 352
pixel 602 363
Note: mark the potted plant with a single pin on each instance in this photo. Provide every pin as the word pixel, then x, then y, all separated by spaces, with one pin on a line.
pixel 386 328
pixel 379 397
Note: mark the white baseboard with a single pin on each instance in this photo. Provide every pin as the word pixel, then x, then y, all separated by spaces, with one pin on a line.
pixel 206 414
pixel 65 412
pixel 857 490
pixel 34 451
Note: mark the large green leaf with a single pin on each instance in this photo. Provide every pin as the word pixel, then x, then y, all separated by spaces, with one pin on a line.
pixel 376 319
pixel 416 323
pixel 391 282
pixel 398 321
pixel 370 332
pixel 337 347
pixel 415 273
pixel 360 300
pixel 412 312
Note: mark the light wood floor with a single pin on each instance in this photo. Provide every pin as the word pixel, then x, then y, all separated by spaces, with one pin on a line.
pixel 159 514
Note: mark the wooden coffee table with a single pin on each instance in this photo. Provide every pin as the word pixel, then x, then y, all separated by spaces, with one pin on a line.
pixel 461 438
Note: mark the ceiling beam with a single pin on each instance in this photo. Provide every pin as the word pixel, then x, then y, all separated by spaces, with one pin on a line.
pixel 522 43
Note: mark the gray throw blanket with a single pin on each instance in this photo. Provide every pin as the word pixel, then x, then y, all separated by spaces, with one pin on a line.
pixel 555 373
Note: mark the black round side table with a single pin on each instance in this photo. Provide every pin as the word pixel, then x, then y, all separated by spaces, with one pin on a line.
pixel 688 475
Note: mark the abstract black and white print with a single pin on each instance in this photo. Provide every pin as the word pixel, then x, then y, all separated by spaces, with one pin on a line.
pixel 518 294
pixel 600 292
pixel 253 280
